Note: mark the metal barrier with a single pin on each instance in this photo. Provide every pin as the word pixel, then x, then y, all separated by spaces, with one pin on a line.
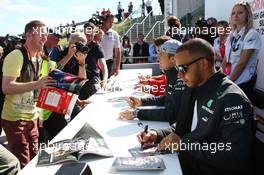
pixel 140 59
pixel 154 66
pixel 136 24
pixel 152 29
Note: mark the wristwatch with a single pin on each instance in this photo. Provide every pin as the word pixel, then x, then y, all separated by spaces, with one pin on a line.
pixel 81 64
pixel 135 113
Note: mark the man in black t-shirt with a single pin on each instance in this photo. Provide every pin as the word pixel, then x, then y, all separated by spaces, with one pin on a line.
pixel 141 49
pixel 95 57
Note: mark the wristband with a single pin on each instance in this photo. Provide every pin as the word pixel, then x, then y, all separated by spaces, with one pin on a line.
pixel 81 64
pixel 135 113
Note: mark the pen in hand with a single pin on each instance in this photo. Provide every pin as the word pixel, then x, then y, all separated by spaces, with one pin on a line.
pixel 145 131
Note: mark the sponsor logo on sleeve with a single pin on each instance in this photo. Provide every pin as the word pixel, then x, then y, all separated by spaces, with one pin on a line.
pixel 207 109
pixel 209 103
pixel 205 119
pixel 233 108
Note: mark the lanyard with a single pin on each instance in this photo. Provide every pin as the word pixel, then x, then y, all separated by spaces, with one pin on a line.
pixel 35 70
pixel 29 54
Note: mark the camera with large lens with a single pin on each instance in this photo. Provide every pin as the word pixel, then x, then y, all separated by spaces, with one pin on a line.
pixel 82 48
pixel 97 21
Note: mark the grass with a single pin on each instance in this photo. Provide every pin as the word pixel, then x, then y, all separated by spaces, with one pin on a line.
pixel 120 28
pixel 63 42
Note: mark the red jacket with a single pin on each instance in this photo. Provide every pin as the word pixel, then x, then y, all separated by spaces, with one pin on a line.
pixel 158 86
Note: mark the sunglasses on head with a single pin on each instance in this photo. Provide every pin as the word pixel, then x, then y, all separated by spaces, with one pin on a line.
pixel 245 3
pixel 184 67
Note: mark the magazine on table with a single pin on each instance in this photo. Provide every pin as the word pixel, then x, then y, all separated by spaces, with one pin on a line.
pixel 152 150
pixel 86 142
pixel 138 164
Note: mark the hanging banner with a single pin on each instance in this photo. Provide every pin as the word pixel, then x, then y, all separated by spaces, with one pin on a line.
pixel 257 7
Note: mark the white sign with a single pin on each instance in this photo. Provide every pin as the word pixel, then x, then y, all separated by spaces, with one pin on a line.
pixel 257 7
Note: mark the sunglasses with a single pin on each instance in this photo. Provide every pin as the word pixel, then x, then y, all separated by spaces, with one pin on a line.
pixel 184 67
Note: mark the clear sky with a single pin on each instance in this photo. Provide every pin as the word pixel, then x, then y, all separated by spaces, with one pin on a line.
pixel 14 14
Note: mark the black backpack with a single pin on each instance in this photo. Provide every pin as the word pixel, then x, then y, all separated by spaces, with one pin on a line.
pixel 24 67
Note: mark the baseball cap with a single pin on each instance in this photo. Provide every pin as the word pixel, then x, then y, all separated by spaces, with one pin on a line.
pixel 170 46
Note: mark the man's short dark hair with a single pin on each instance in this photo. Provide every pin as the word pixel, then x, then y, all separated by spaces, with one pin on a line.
pixel 173 21
pixel 140 34
pixel 223 23
pixel 89 24
pixel 33 24
pixel 105 18
pixel 160 40
pixel 198 47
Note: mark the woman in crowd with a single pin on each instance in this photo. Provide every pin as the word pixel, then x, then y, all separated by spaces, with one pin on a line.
pixel 98 37
pixel 125 49
pixel 219 43
pixel 242 48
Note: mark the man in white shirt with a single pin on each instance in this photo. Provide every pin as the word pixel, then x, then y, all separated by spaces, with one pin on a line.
pixel 111 46
pixel 149 6
pixel 120 11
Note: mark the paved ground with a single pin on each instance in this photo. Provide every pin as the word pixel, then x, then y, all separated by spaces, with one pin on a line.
pixel 3 140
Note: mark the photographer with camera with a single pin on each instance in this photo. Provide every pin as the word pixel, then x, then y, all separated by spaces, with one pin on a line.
pixel 95 56
pixel 73 62
pixel 73 58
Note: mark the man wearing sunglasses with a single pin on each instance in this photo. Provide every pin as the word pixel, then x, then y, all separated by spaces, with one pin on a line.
pixel 214 128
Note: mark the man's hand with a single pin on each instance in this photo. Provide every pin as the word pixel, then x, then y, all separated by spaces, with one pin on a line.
pixel 80 57
pixel 144 82
pixel 134 102
pixel 116 71
pixel 172 142
pixel 147 139
pixel 144 78
pixel 45 82
pixel 83 103
pixel 127 115
pixel 72 50
pixel 104 85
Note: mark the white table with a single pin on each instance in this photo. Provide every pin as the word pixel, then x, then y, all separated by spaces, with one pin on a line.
pixel 119 135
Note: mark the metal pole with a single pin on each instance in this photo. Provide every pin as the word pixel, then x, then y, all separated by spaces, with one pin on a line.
pixel 130 35
pixel 137 29
pixel 175 8
pixel 159 28
pixel 150 19
pixel 144 28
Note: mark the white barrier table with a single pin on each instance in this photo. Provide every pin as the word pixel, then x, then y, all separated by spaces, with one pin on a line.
pixel 119 135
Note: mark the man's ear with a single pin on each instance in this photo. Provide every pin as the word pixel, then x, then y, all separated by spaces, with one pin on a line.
pixel 205 64
pixel 172 59
pixel 28 34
